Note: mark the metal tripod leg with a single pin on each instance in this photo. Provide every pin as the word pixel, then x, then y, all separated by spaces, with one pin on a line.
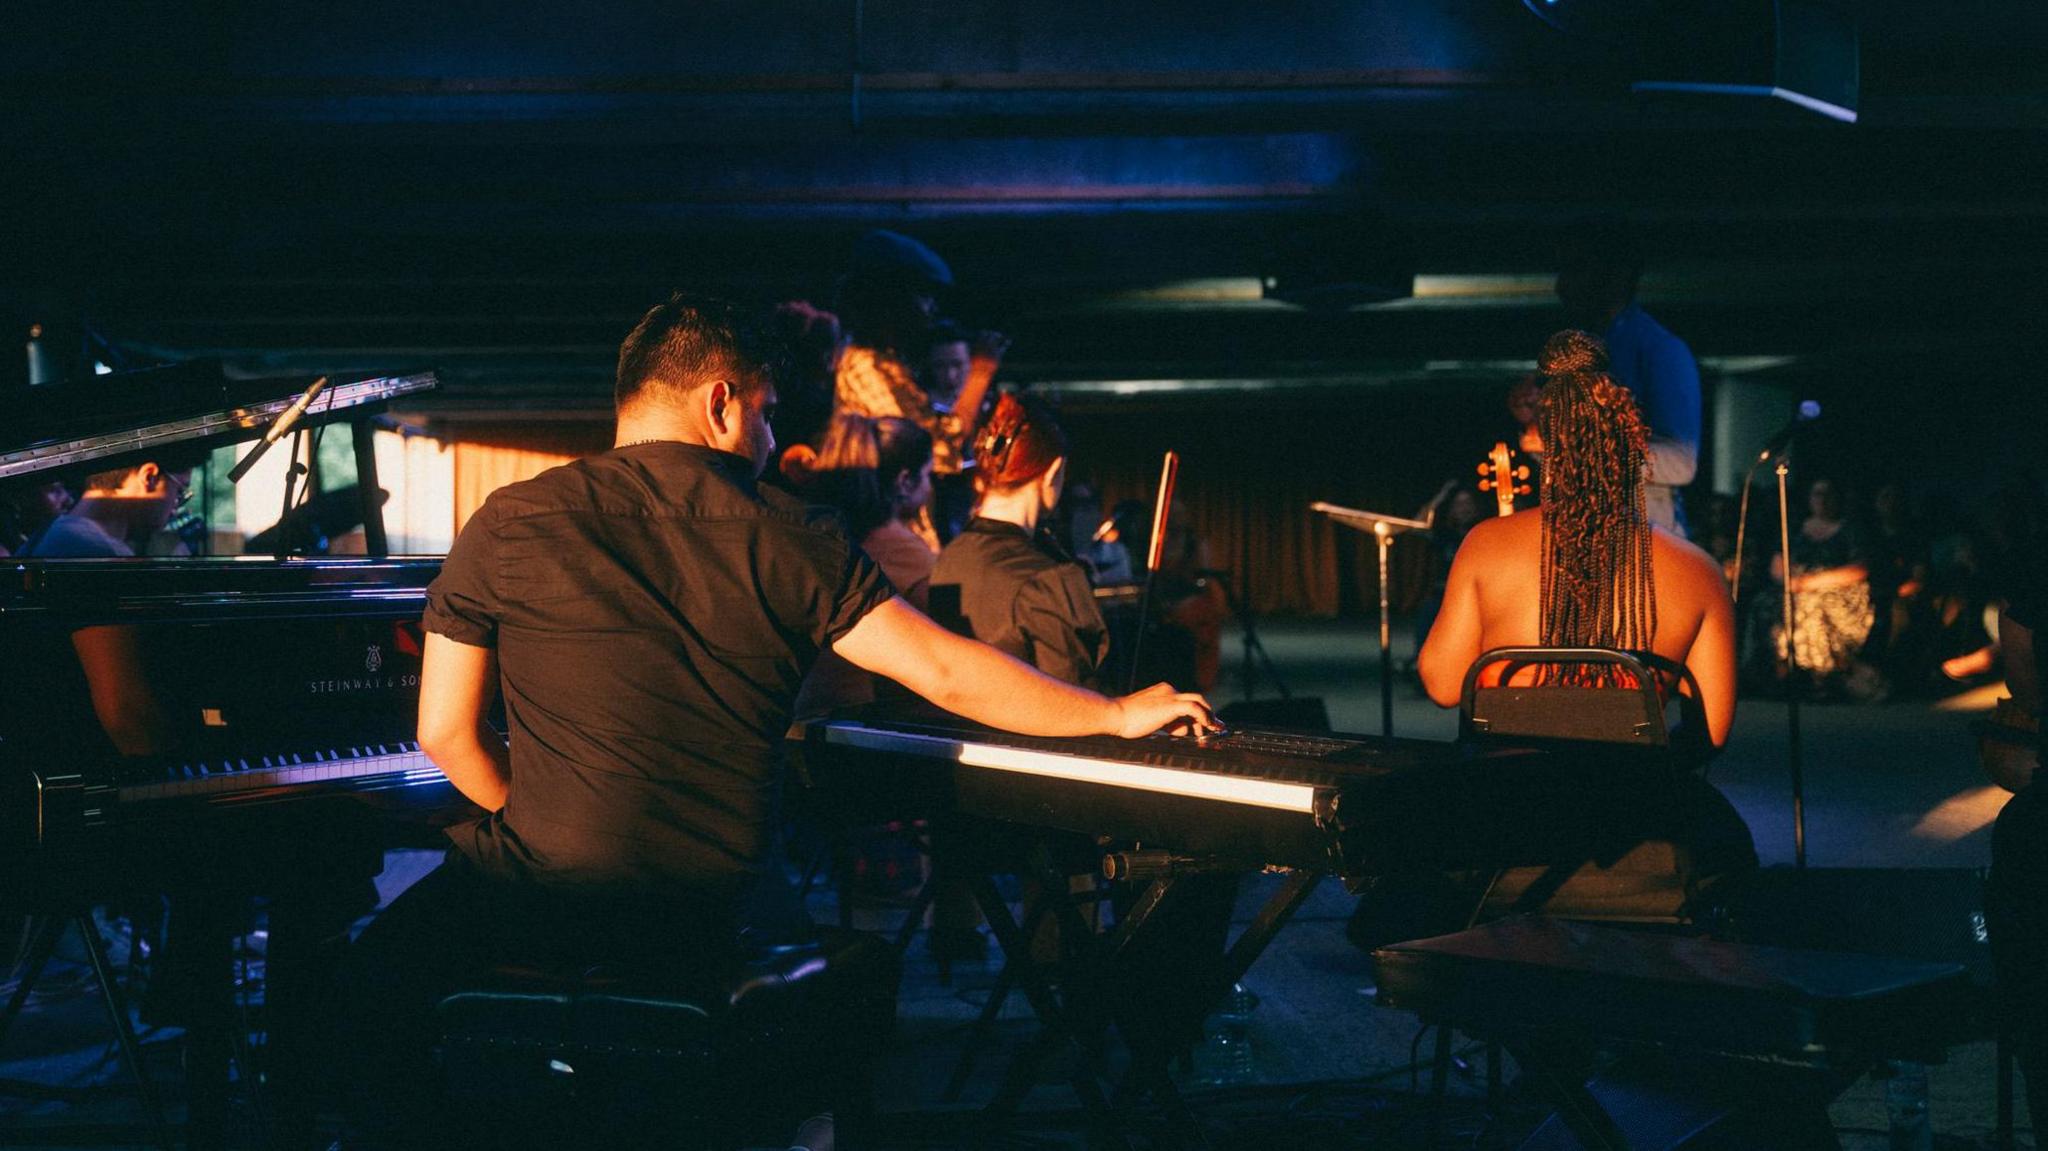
pixel 42 944
pixel 124 1031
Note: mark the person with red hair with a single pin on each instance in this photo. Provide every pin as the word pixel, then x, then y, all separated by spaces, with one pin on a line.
pixel 1017 589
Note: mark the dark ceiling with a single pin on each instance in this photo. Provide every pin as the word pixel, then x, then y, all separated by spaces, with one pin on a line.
pixel 497 190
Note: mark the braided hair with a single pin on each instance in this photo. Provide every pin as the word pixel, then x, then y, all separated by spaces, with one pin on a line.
pixel 1598 588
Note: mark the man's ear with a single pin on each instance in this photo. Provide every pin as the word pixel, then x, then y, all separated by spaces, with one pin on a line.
pixel 721 407
pixel 150 474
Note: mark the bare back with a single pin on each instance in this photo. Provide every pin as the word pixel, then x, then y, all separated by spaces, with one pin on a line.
pixel 1492 600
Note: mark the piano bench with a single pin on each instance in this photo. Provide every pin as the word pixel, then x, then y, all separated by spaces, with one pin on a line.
pixel 1722 1036
pixel 616 1057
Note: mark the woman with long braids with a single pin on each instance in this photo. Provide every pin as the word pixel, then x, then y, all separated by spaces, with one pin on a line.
pixel 1586 568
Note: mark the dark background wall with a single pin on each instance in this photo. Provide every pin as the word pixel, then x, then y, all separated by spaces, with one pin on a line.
pixel 498 190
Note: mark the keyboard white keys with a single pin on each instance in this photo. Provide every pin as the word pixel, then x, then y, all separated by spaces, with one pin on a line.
pixel 186 781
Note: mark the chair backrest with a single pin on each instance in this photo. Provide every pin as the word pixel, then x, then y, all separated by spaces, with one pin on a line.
pixel 1549 712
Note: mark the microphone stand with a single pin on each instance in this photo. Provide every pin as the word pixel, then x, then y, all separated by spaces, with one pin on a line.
pixel 1255 653
pixel 286 421
pixel 292 471
pixel 1795 747
pixel 1383 528
pixel 1791 678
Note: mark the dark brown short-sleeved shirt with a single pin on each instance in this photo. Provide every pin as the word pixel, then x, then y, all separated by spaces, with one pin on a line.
pixel 1023 596
pixel 654 613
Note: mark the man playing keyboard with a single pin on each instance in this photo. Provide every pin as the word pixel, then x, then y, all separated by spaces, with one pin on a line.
pixel 648 614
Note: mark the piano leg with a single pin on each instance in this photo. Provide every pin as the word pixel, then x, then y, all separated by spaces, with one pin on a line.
pixel 199 956
pixel 308 939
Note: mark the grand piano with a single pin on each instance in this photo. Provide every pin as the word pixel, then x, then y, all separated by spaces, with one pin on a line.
pixel 215 735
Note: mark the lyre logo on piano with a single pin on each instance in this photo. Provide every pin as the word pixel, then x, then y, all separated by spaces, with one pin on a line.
pixel 373 659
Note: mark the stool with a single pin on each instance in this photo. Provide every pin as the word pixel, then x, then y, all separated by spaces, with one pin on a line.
pixel 615 1056
pixel 1763 1037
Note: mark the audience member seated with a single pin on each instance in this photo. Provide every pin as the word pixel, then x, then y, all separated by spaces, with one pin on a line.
pixel 1831 583
pixel 1896 553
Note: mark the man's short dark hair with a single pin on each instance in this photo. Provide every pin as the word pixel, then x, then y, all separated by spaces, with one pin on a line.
pixel 687 341
pixel 167 458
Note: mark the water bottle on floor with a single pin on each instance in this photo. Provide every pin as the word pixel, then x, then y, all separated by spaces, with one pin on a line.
pixel 1226 1055
pixel 1905 1104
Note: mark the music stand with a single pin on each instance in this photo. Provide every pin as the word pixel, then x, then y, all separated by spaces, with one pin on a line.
pixel 1383 529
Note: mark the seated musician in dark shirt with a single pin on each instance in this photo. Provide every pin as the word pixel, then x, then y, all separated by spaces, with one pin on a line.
pixel 648 614
pixel 1016 587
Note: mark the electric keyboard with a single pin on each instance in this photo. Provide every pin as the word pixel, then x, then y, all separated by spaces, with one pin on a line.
pixel 1351 804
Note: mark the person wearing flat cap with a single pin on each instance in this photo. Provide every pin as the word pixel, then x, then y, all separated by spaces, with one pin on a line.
pixel 888 303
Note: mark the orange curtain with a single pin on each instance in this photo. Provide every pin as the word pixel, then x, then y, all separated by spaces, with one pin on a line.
pixel 1250 470
pixel 489 455
pixel 481 469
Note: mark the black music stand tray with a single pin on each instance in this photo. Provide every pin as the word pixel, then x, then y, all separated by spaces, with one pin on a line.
pixel 1383 529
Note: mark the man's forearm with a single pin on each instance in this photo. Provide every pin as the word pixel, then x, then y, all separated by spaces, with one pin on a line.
pixel 477 763
pixel 983 684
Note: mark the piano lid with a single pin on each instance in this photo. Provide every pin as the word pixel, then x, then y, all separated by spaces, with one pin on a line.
pixel 112 419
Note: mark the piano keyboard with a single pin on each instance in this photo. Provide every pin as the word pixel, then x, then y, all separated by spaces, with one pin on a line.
pixel 387 764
